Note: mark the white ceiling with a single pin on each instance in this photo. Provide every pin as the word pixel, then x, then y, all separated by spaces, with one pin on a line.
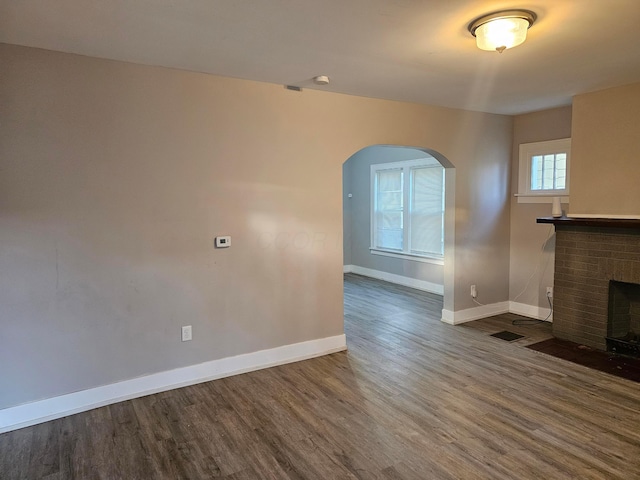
pixel 412 50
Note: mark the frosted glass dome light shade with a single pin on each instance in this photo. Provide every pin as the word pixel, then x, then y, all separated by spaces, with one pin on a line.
pixel 502 30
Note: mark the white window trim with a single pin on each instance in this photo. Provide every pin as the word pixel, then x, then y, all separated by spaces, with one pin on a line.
pixel 433 259
pixel 528 150
pixel 408 256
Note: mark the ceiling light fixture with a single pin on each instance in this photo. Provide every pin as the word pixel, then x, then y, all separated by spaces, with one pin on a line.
pixel 502 30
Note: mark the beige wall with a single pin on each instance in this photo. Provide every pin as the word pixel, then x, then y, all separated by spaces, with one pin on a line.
pixel 605 152
pixel 115 178
pixel 527 237
pixel 482 213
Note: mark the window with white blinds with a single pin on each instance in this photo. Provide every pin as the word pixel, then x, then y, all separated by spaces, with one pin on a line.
pixel 389 211
pixel 408 208
pixel 426 227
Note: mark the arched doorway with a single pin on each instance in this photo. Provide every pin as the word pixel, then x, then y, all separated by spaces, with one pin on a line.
pixel 432 273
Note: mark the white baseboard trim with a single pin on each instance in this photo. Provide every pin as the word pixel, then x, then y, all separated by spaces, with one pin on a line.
pixel 397 279
pixel 21 416
pixel 531 311
pixel 347 268
pixel 475 313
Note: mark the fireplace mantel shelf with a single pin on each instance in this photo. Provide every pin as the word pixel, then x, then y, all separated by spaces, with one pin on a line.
pixel 591 222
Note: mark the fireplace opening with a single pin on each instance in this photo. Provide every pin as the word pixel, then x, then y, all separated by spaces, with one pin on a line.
pixel 623 325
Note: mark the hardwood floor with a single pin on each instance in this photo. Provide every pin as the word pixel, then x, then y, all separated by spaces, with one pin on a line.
pixel 413 398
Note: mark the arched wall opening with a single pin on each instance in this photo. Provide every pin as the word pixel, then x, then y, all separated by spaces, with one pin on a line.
pixel 431 275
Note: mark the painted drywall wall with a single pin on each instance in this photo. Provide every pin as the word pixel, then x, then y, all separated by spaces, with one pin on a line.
pixel 117 177
pixel 357 181
pixel 531 266
pixel 604 153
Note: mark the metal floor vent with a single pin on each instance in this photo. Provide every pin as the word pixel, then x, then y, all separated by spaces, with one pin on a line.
pixel 506 335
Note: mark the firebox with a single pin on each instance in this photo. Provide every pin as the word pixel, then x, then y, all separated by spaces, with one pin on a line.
pixel 623 324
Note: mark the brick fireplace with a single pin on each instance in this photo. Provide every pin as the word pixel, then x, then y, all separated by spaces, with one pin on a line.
pixel 589 254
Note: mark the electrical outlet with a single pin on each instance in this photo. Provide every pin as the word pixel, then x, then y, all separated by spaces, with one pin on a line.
pixel 474 292
pixel 550 292
pixel 186 333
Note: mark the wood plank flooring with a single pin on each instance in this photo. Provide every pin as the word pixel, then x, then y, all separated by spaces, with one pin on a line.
pixel 532 331
pixel 413 398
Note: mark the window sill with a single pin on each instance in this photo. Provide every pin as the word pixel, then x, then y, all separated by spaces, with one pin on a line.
pixel 406 256
pixel 540 197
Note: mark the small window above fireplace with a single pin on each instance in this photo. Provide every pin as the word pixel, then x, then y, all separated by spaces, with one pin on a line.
pixel 544 171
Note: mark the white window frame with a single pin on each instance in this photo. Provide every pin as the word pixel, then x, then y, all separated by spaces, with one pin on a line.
pixel 526 152
pixel 406 253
